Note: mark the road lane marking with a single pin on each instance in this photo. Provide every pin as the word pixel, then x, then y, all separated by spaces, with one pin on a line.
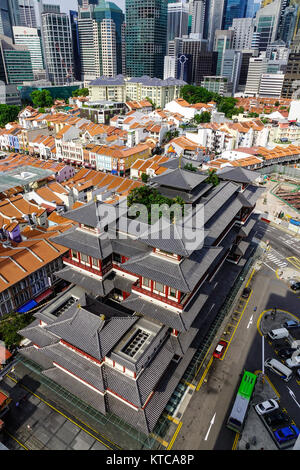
pixel 15 439
pixel 210 426
pixel 174 436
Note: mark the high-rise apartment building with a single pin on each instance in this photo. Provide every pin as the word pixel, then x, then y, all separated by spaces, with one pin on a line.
pixel 257 67
pixel 243 29
pixel 178 20
pixel 30 38
pixel 101 40
pixel 57 45
pixel 146 37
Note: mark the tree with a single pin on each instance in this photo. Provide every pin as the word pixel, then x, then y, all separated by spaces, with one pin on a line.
pixel 42 110
pixel 189 167
pixel 10 327
pixel 41 98
pixel 145 178
pixel 213 177
pixel 148 196
pixel 80 92
pixel 8 113
pixel 203 117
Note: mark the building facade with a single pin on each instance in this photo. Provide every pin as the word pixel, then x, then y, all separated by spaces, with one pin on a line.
pixel 129 362
pixel 146 37
pixel 57 45
pixel 30 38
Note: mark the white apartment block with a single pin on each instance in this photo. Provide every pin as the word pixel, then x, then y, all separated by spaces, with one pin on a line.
pixel 257 66
pixel 270 85
pixel 89 49
pixel 108 47
pixel 242 33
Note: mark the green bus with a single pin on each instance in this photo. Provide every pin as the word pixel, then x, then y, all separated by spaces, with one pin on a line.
pixel 239 410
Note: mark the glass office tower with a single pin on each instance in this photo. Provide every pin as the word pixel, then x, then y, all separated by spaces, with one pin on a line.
pixel 234 9
pixel 146 37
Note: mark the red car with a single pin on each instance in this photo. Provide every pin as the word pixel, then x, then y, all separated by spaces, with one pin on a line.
pixel 220 349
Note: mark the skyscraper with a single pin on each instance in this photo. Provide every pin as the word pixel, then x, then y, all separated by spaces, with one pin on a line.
pixel 101 40
pixel 266 25
pixel 214 14
pixel 57 47
pixel 233 9
pixel 75 44
pixel 291 84
pixel 16 62
pixel 30 38
pixel 178 20
pixel 27 13
pixel 146 37
pixel 5 21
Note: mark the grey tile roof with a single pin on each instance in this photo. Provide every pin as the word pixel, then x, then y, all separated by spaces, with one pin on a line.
pixel 241 248
pixel 77 364
pixel 218 197
pixel 151 310
pixel 97 246
pixel 96 287
pixel 238 174
pixel 182 276
pixel 180 179
pixel 37 355
pixel 90 333
pixel 95 214
pixel 149 81
pixel 77 388
pixel 175 162
pixel 38 335
pixel 81 331
pixel 106 81
pixel 174 238
pixel 252 193
pixel 248 226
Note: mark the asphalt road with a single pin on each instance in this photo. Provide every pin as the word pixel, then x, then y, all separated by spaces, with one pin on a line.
pixel 203 423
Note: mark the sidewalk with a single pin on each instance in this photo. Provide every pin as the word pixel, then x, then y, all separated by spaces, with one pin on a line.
pixel 270 322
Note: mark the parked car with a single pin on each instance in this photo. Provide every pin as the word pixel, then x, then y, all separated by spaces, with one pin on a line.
pixel 285 353
pixel 266 406
pixel 291 324
pixel 246 292
pixel 220 349
pixel 295 286
pixel 293 362
pixel 276 418
pixel 286 433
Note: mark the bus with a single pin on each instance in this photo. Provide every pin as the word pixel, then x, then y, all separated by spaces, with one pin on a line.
pixel 239 410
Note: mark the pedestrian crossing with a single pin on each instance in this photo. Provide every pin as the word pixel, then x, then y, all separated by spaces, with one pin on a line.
pixel 275 259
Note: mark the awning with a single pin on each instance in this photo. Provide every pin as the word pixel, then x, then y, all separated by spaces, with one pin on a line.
pixel 28 306
pixel 44 295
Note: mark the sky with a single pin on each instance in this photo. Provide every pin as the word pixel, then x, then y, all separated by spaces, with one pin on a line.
pixel 67 5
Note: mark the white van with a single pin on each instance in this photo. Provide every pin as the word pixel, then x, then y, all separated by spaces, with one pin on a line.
pixel 278 368
pixel 293 361
pixel 278 334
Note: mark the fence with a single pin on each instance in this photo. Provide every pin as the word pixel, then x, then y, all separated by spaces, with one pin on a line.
pixel 281 169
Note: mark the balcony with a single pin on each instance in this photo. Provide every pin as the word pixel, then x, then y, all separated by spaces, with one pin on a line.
pixel 164 299
pixel 82 266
